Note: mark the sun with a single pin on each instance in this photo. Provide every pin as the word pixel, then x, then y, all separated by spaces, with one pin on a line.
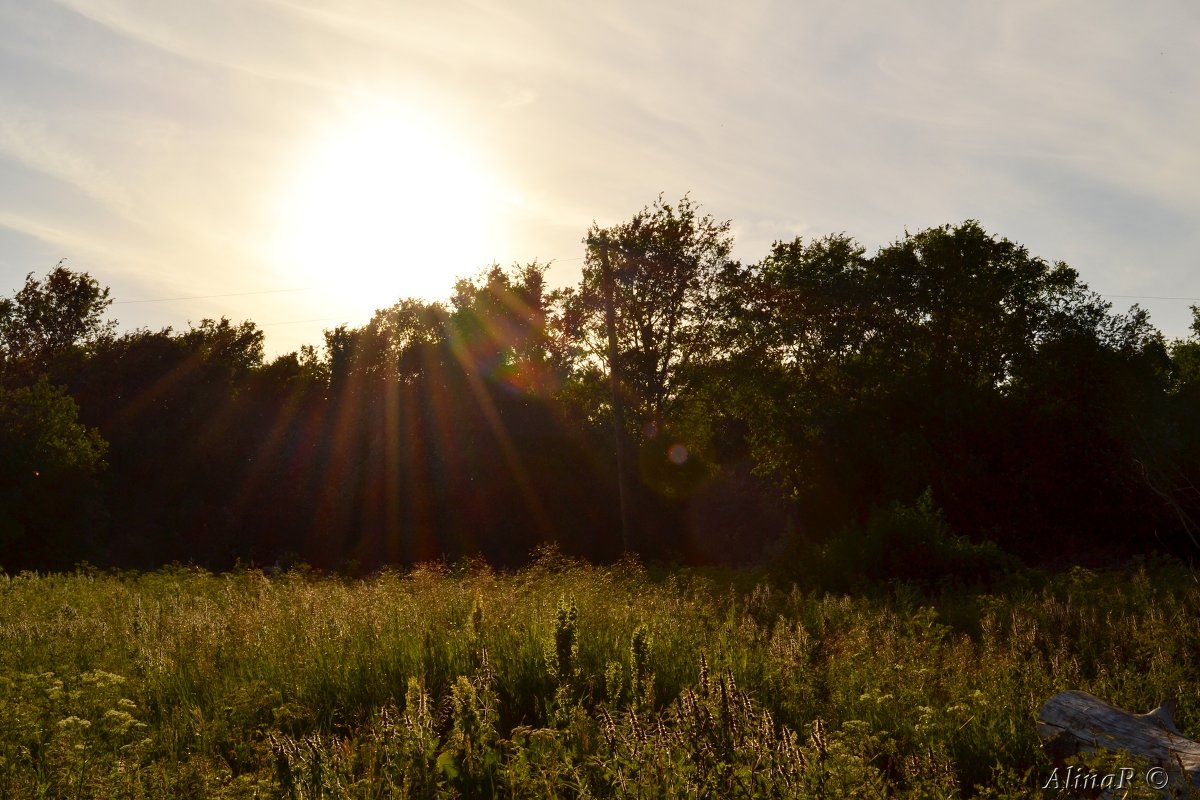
pixel 385 205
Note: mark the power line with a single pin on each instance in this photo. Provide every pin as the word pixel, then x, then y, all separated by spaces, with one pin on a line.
pixel 298 321
pixel 211 296
pixel 264 291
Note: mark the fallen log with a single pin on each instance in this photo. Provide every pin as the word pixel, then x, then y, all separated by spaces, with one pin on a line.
pixel 1076 722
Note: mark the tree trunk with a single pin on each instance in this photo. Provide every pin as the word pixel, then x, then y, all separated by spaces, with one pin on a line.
pixel 1076 722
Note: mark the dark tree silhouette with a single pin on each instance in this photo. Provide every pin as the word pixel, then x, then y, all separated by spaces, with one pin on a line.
pixel 949 383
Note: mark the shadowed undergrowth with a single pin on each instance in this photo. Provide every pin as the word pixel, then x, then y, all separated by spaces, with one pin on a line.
pixel 561 680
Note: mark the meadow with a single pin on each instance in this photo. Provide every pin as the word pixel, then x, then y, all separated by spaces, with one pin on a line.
pixel 565 680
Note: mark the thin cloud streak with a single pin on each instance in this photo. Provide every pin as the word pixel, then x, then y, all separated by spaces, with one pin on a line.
pixel 1068 127
pixel 31 143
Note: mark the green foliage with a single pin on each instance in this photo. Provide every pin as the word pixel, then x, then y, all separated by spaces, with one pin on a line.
pixel 950 358
pixel 562 647
pixel 801 391
pixel 234 350
pixel 185 684
pixel 40 435
pixel 641 676
pixel 502 323
pixel 46 455
pixel 903 543
pixel 75 732
pixel 665 261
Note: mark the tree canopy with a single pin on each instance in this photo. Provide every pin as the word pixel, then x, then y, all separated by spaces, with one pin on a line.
pixel 950 384
pixel 47 317
pixel 665 262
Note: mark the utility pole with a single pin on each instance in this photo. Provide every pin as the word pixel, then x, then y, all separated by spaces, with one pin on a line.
pixel 618 395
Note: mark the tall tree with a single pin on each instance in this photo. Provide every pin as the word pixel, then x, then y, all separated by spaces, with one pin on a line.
pixel 664 262
pixel 643 315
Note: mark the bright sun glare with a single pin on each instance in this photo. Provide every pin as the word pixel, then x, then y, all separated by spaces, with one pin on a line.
pixel 387 205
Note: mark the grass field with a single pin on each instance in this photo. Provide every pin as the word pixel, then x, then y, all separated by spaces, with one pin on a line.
pixel 564 680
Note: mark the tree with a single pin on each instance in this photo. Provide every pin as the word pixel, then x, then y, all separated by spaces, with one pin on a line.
pixel 643 313
pixel 500 325
pixel 184 424
pixel 1174 477
pixel 46 318
pixel 234 350
pixel 41 436
pixel 48 461
pixel 951 358
pixel 408 342
pixel 664 262
pixel 790 326
pixel 1185 353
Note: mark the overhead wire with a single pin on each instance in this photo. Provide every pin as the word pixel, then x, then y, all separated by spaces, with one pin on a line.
pixel 212 296
pixel 261 291
pixel 552 261
pixel 298 321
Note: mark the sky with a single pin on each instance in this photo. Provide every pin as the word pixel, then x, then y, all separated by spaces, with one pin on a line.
pixel 300 163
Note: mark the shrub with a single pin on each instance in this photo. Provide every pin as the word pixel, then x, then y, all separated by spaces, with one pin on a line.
pixel 904 544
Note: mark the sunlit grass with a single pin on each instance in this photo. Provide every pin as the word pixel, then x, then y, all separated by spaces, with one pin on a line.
pixel 469 682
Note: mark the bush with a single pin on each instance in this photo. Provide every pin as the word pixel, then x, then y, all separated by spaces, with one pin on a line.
pixel 903 544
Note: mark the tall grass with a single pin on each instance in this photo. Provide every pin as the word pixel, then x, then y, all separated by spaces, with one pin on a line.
pixel 562 680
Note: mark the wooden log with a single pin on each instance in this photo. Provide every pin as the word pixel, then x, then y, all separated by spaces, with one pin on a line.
pixel 1076 722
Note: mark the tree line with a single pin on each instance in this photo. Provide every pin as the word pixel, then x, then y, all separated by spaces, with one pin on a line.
pixel 772 410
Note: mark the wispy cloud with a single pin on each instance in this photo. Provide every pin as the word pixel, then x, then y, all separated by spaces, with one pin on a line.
pixel 1069 126
pixel 31 142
